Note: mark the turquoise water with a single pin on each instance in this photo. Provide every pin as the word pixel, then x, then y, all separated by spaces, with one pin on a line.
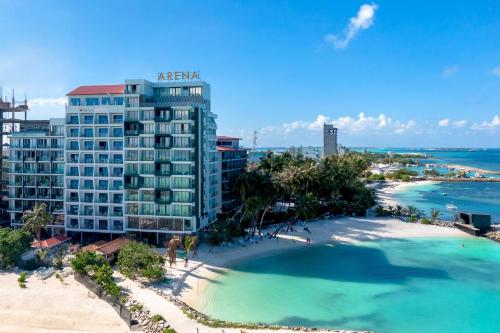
pixel 408 285
pixel 475 197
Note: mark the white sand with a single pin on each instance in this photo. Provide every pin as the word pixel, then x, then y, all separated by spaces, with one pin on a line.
pixel 50 306
pixel 385 195
pixel 189 283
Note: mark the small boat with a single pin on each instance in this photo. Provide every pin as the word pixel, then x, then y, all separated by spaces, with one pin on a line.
pixel 444 193
pixel 451 206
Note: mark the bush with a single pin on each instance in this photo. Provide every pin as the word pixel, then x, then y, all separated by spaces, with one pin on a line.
pixel 141 260
pixel 157 317
pixel 169 330
pixel 13 243
pixel 86 262
pixel 136 307
pixel 22 279
pixel 425 221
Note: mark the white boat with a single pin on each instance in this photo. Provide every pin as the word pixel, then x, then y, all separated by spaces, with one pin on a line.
pixel 451 206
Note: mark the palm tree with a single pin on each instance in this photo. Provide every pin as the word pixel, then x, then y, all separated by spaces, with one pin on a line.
pixel 435 215
pixel 36 220
pixel 411 212
pixel 189 244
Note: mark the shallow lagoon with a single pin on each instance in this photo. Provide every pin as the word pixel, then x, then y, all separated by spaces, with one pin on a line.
pixel 400 285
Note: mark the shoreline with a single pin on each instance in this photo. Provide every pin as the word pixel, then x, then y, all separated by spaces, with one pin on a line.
pixel 385 194
pixel 190 284
pixel 472 169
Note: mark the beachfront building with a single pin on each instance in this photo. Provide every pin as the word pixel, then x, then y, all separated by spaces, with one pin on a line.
pixel 93 200
pixel 329 140
pixel 232 160
pixel 170 158
pixel 36 173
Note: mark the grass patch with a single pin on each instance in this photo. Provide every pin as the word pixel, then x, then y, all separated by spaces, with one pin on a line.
pixel 22 279
pixel 59 277
pixel 157 317
pixel 136 307
pixel 169 330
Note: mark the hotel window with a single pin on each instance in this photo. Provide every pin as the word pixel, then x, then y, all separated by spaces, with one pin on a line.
pixel 106 101
pixel 163 128
pixel 88 184
pixel 102 185
pixel 88 119
pixel 149 182
pixel 147 142
pixel 88 158
pixel 73 132
pixel 92 101
pixel 148 115
pixel 73 120
pixel 132 115
pixel 74 101
pixel 88 145
pixel 117 145
pixel 194 91
pixel 88 171
pixel 117 119
pixel 118 100
pixel 149 129
pixel 131 142
pixel 174 91
pixel 147 155
pixel 73 145
pixel 117 132
pixel 147 169
pixel 163 155
pixel 181 115
pixel 131 155
pixel 102 119
pixel 147 209
pixel 102 132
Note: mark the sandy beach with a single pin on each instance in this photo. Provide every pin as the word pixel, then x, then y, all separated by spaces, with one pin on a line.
pixel 190 283
pixel 385 194
pixel 52 306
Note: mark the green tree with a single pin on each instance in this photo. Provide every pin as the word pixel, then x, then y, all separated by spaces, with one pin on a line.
pixel 435 214
pixel 141 260
pixel 13 243
pixel 36 220
pixel 87 262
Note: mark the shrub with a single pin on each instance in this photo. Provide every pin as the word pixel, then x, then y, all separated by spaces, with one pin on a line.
pixel 22 279
pixel 141 260
pixel 169 330
pixel 86 262
pixel 136 307
pixel 425 221
pixel 13 243
pixel 157 317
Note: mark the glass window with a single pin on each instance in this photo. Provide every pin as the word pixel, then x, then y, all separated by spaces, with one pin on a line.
pixel 117 119
pixel 106 101
pixel 194 91
pixel 102 132
pixel 174 91
pixel 92 101
pixel 117 132
pixel 102 119
pixel 74 101
pixel 118 100
pixel 73 119
pixel 88 119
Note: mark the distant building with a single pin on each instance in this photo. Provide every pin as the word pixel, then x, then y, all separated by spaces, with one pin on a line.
pixel 232 163
pixel 329 140
pixel 36 173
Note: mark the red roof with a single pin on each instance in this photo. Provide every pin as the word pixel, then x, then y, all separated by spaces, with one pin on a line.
pixel 51 242
pixel 227 138
pixel 107 89
pixel 114 246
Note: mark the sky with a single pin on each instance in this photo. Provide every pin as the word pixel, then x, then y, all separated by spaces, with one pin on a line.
pixel 388 73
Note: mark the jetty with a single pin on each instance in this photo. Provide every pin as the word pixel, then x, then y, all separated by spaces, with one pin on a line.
pixel 464 180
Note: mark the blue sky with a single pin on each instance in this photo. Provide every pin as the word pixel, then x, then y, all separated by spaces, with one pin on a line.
pixel 387 73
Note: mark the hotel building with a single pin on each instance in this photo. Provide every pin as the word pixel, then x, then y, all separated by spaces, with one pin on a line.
pixel 137 158
pixel 329 140
pixel 36 173
pixel 232 161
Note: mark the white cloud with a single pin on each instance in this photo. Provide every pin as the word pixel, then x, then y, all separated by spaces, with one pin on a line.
pixel 485 125
pixel 61 101
pixel 362 21
pixel 444 122
pixel 450 70
pixel 459 123
pixel 346 124
pixel 496 71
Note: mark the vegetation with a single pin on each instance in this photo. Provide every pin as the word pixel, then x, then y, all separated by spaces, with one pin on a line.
pixel 22 280
pixel 169 330
pixel 402 174
pixel 376 177
pixel 284 189
pixel 431 173
pixel 435 215
pixel 59 277
pixel 13 243
pixel 36 220
pixel 388 158
pixel 141 260
pixel 96 266
pixel 157 317
pixel 136 307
